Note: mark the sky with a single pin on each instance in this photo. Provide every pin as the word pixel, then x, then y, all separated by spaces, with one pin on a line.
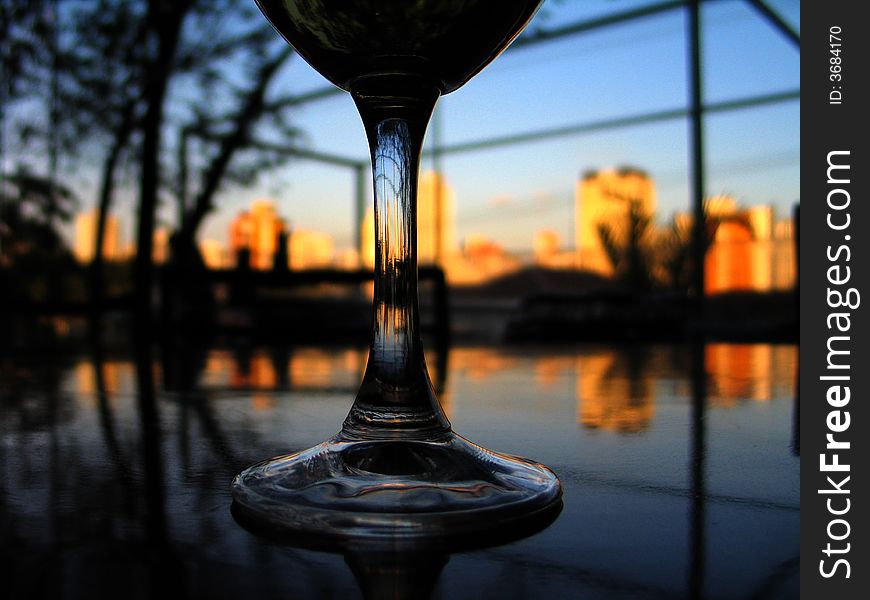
pixel 508 193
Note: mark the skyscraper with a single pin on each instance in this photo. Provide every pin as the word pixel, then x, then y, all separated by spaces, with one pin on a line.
pixel 430 223
pixel 367 258
pixel 86 237
pixel 257 230
pixel 436 220
pixel 605 199
pixel 160 245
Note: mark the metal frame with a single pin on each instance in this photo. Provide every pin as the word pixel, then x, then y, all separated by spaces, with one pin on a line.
pixel 695 110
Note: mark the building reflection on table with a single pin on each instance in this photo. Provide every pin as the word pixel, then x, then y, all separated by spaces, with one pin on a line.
pixel 676 485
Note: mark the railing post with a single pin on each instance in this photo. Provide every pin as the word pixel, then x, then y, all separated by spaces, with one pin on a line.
pixel 696 149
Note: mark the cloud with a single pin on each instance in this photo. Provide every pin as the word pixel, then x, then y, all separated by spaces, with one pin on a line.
pixel 500 201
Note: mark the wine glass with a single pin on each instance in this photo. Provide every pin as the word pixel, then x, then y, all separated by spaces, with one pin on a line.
pixel 396 470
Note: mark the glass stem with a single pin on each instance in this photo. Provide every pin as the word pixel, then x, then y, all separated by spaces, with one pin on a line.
pixel 396 399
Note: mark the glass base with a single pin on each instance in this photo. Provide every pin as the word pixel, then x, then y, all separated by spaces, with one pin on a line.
pixel 413 489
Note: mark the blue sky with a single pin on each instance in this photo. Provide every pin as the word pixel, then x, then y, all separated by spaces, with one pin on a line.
pixel 508 193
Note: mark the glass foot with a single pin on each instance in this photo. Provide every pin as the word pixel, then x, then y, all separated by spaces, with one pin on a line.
pixel 395 489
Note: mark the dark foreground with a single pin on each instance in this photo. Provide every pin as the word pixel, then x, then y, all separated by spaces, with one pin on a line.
pixel 679 464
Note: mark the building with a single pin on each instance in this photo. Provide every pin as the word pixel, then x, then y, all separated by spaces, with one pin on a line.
pixel 311 249
pixel 436 224
pixel 784 256
pixel 257 230
pixel 545 245
pixel 348 259
pixel 241 232
pixel 750 251
pixel 481 260
pixel 367 259
pixel 213 254
pixel 605 199
pixel 436 219
pixel 86 237
pixel 548 252
pixel 160 245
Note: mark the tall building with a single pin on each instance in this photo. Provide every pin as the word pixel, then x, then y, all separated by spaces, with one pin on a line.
pixel 430 221
pixel 367 259
pixel 436 220
pixel 160 245
pixel 762 249
pixel 785 255
pixel 605 198
pixel 257 230
pixel 241 232
pixel 86 237
pixel 267 227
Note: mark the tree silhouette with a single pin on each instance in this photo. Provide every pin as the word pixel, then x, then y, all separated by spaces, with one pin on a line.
pixel 630 248
pixel 34 257
pixel 131 80
pixel 644 259
pixel 237 138
pixel 676 247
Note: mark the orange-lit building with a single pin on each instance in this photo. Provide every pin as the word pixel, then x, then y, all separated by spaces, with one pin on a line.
pixel 436 224
pixel 257 231
pixel 86 237
pixel 784 255
pixel 545 245
pixel 750 251
pixel 605 198
pixel 481 260
pixel 310 249
pixel 213 254
pixel 367 259
pixel 436 219
pixel 160 249
pixel 548 252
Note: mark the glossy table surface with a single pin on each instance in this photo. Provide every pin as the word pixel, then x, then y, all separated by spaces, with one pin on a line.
pixel 679 465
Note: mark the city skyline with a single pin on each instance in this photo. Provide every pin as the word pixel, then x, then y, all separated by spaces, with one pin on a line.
pixel 637 68
pixel 751 248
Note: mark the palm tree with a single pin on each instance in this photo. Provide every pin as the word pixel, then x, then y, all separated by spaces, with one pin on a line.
pixel 631 254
